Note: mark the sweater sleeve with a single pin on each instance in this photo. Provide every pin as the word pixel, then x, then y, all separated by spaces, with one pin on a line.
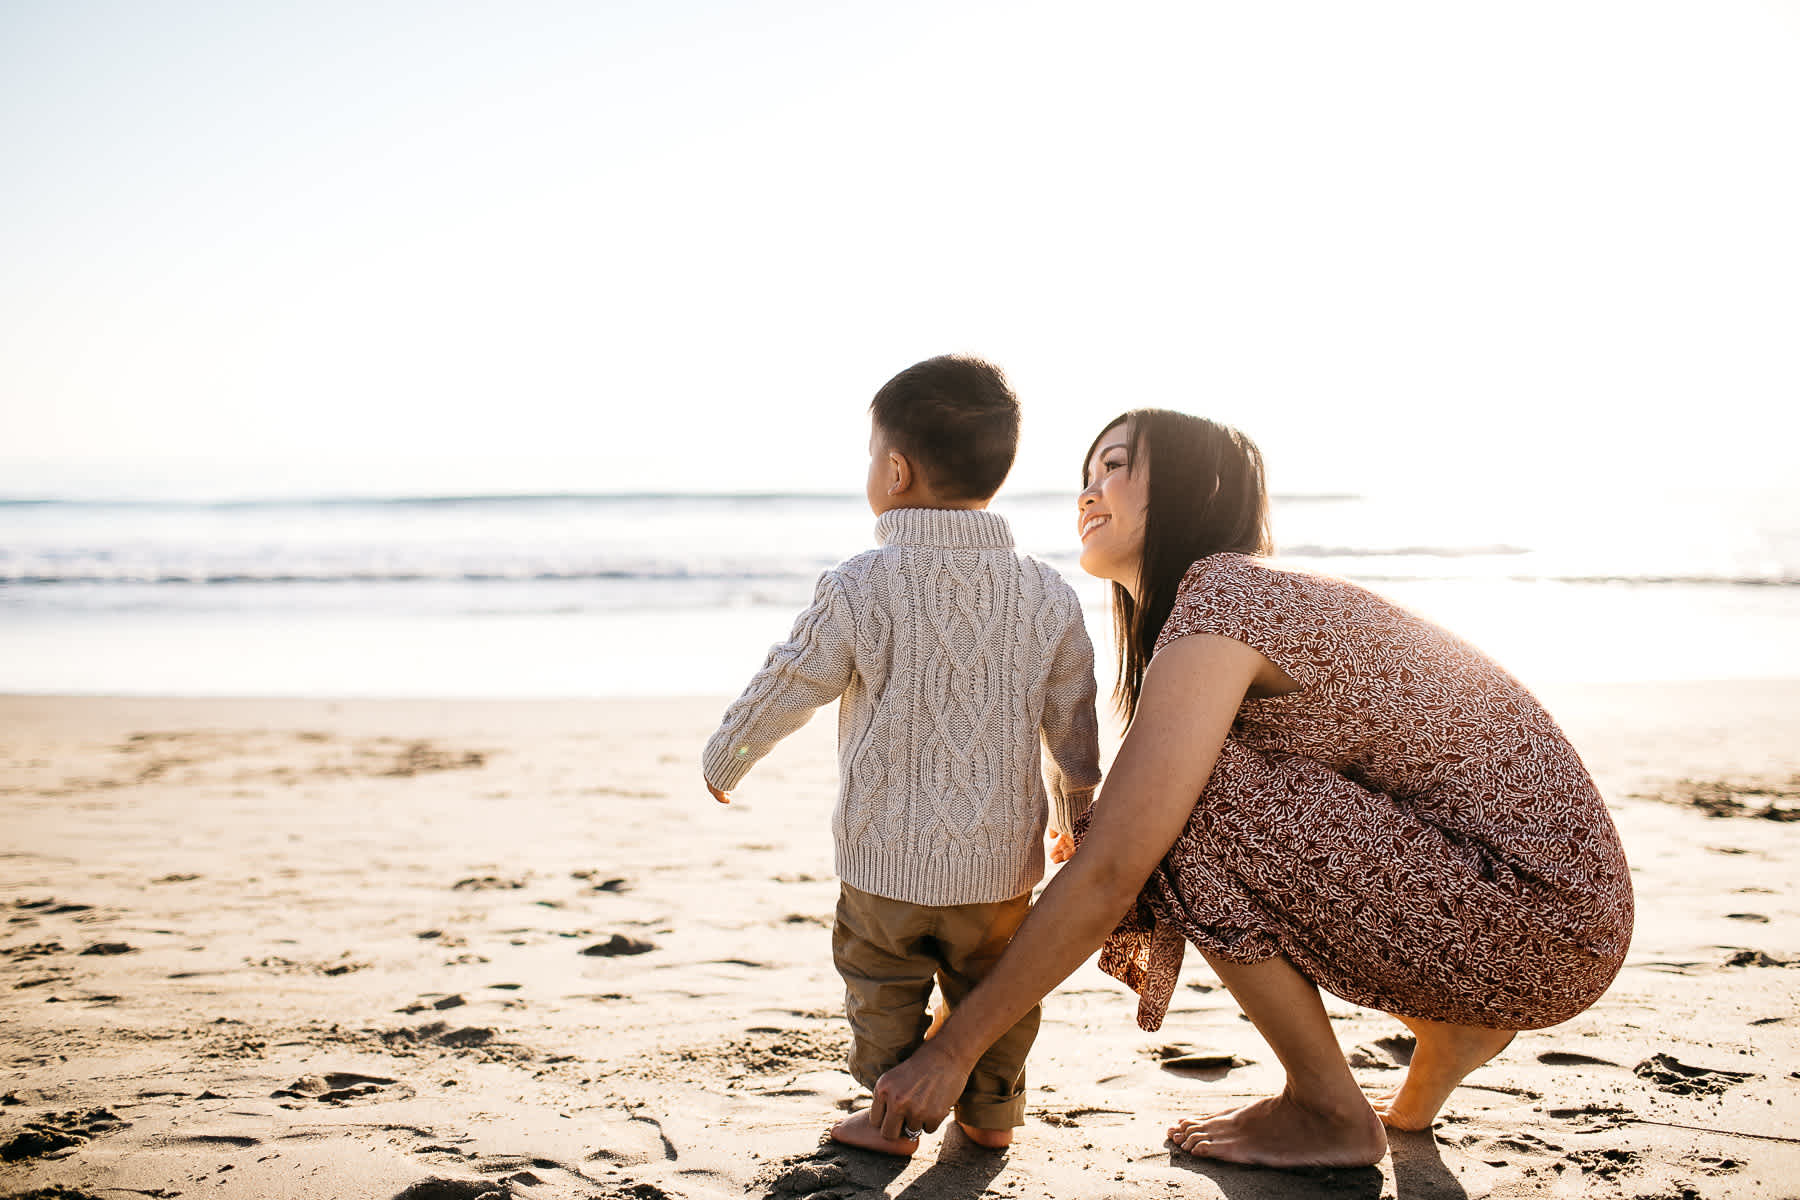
pixel 810 669
pixel 1071 734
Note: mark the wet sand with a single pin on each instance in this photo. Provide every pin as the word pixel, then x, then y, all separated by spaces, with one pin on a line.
pixel 447 950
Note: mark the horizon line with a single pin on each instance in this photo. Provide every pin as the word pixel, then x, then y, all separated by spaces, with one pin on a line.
pixel 451 499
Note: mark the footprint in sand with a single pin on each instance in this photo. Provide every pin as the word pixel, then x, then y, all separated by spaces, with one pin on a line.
pixel 50 908
pixel 436 1188
pixel 439 1188
pixel 35 950
pixel 1594 1118
pixel 59 1131
pixel 1756 958
pixel 1210 1065
pixel 438 1004
pixel 1385 1054
pixel 1524 1142
pixel 1606 1164
pixel 342 1087
pixel 598 882
pixel 617 945
pixel 632 1142
pixel 1678 1077
pixel 487 883
pixel 1712 1164
pixel 1362 1058
pixel 107 948
pixel 437 1033
pixel 235 1141
pixel 1569 1058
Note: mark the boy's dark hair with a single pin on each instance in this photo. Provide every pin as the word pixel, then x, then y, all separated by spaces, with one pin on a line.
pixel 956 418
pixel 1207 495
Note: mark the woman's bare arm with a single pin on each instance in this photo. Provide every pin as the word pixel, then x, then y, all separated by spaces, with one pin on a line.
pixel 1190 696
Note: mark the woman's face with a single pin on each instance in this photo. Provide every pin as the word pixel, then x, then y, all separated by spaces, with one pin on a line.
pixel 1110 510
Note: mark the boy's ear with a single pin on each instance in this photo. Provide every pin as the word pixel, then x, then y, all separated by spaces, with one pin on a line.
pixel 900 474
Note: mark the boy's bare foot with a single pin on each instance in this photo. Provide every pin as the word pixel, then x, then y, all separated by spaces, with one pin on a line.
pixel 992 1139
pixel 855 1130
pixel 1282 1132
pixel 1443 1056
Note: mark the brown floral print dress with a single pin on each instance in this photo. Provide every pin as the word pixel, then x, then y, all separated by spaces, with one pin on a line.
pixel 1410 828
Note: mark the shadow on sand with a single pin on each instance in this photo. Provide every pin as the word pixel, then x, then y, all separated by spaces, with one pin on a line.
pixel 961 1171
pixel 1267 1183
pixel 1419 1174
pixel 1419 1170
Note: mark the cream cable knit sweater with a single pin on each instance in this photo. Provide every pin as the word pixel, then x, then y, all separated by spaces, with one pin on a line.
pixel 954 657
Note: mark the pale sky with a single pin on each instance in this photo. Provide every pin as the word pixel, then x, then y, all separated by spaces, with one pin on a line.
pixel 677 245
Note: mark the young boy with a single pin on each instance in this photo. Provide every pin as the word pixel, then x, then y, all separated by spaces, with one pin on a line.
pixel 954 658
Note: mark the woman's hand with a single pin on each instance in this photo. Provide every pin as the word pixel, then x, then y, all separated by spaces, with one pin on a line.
pixel 918 1094
pixel 1062 846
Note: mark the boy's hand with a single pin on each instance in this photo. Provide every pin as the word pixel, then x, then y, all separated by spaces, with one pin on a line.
pixel 1062 846
pixel 725 797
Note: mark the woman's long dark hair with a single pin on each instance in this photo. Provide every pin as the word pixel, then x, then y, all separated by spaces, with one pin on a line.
pixel 1206 495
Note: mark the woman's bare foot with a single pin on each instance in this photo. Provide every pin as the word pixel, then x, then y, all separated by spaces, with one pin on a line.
pixel 856 1130
pixel 1443 1056
pixel 1281 1132
pixel 993 1139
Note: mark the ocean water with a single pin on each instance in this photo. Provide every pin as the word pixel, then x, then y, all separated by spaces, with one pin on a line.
pixel 496 596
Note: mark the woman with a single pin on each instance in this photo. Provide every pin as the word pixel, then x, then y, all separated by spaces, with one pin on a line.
pixel 1382 812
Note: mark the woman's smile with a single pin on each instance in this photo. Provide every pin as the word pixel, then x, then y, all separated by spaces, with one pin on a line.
pixel 1109 520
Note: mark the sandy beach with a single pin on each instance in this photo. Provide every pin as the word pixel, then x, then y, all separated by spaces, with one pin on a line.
pixel 459 949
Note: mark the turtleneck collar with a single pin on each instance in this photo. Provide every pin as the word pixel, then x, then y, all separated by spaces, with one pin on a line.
pixel 958 527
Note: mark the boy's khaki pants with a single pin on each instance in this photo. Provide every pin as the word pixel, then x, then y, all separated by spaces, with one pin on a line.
pixel 889 951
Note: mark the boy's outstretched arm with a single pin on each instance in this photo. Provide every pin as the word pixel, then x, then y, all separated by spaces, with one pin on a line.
pixel 811 668
pixel 1070 729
